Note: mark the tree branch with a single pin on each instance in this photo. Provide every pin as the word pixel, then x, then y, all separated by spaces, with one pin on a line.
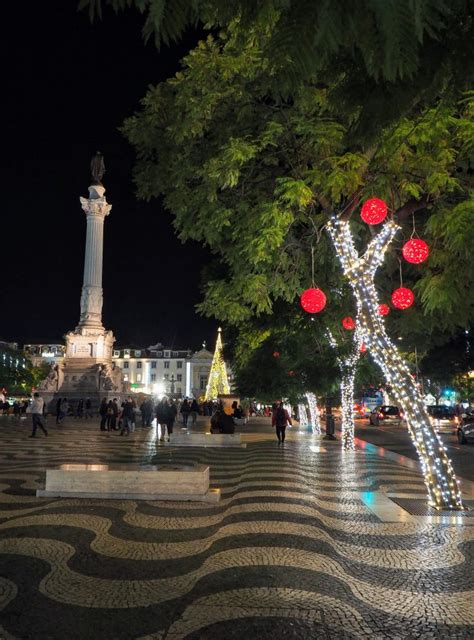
pixel 411 207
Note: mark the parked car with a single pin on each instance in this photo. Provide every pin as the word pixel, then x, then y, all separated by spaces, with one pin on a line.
pixel 386 414
pixel 443 418
pixel 466 429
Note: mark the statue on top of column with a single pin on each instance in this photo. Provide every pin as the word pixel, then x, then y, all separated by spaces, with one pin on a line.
pixel 97 168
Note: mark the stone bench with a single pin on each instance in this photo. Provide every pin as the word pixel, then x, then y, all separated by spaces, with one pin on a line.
pixel 188 439
pixel 130 481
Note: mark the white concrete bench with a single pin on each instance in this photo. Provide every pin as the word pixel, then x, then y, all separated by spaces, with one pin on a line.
pixel 130 481
pixel 188 439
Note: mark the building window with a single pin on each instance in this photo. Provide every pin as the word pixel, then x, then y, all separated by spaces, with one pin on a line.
pixel 126 353
pixel 153 365
pixel 202 382
pixel 179 377
pixel 167 354
pixel 125 378
pixel 153 377
pixel 179 364
pixel 137 353
pixel 175 354
pixel 116 354
pixel 167 364
pixel 125 365
pixel 139 365
pixel 160 354
pixel 139 377
pixel 166 376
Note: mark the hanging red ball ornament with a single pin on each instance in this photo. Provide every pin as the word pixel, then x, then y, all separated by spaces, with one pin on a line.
pixel 403 298
pixel 348 323
pixel 313 300
pixel 363 348
pixel 384 309
pixel 276 354
pixel 291 374
pixel 415 251
pixel 373 211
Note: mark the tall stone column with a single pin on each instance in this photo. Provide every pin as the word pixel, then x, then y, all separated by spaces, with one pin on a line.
pixel 96 209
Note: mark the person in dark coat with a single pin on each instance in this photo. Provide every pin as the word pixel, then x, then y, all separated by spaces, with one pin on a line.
pixel 185 410
pixel 128 417
pixel 280 420
pixel 103 414
pixel 161 412
pixel 171 413
pixel 194 411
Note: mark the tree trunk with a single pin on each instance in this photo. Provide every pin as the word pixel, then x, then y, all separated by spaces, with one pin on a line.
pixel 440 480
pixel 347 407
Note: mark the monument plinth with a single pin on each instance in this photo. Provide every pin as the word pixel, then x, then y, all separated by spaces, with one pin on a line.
pixel 87 370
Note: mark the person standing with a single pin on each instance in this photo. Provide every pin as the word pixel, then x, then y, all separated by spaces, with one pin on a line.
pixel 103 412
pixel 280 420
pixel 115 412
pixel 171 413
pixel 194 411
pixel 80 409
pixel 58 410
pixel 37 409
pixel 88 406
pixel 128 417
pixel 162 416
pixel 185 410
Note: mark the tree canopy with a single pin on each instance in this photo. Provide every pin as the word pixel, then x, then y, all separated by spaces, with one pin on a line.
pixel 295 110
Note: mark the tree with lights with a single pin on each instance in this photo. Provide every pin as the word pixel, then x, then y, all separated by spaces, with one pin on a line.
pixel 256 175
pixel 218 383
pixel 438 473
pixel 347 362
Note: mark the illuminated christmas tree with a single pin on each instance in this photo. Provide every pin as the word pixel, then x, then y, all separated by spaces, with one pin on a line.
pixel 218 383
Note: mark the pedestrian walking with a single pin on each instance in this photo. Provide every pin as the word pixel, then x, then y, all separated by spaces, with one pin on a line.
pixel 280 420
pixel 171 413
pixel 185 411
pixel 37 409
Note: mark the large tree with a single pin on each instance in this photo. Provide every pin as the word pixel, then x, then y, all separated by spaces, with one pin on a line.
pixel 256 177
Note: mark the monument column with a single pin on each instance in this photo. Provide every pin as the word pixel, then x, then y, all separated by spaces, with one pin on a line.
pixel 96 209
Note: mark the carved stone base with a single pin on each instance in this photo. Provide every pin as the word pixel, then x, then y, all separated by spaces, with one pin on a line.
pixel 92 343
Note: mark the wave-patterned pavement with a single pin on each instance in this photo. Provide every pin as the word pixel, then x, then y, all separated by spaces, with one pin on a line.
pixel 291 551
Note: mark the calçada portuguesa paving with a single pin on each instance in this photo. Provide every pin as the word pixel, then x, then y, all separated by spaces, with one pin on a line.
pixel 293 549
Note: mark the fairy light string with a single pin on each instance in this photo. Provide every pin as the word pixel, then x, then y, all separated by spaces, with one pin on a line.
pixel 440 479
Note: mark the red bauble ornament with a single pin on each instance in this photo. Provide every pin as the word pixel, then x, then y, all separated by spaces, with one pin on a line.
pixel 291 373
pixel 373 211
pixel 313 300
pixel 276 354
pixel 415 251
pixel 384 309
pixel 363 348
pixel 348 323
pixel 403 298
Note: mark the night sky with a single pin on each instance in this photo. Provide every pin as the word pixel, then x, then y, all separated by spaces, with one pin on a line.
pixel 67 87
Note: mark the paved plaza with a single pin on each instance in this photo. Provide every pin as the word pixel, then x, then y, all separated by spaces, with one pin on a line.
pixel 297 547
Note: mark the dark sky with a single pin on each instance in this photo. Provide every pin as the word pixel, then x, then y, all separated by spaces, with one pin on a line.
pixel 67 85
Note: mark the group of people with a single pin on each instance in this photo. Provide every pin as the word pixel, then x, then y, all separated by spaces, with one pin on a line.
pixel 18 408
pixel 65 408
pixel 123 418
